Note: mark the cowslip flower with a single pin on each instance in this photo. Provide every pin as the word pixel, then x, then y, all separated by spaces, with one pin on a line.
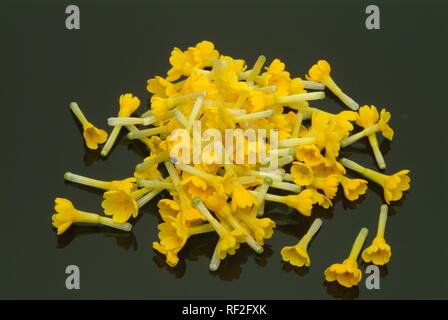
pixel 297 255
pixel 353 188
pixel 128 104
pixel 303 175
pixel 347 273
pixel 379 252
pixel 218 204
pixel 119 204
pixel 320 72
pixel 173 235
pixel 229 241
pixel 66 214
pixel 393 185
pixel 302 202
pixel 92 135
pixel 127 185
pixel 372 122
pixel 188 212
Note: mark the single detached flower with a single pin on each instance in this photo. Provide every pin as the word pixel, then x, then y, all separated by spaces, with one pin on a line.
pixel 320 72
pixel 372 122
pixel 393 185
pixel 127 184
pixel 92 135
pixel 353 188
pixel 128 105
pixel 302 202
pixel 379 252
pixel 66 214
pixel 298 255
pixel 347 273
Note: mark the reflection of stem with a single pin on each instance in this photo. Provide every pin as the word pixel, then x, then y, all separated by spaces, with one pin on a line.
pixel 359 242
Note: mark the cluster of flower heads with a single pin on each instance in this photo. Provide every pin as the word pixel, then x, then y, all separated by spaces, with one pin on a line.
pixel 224 93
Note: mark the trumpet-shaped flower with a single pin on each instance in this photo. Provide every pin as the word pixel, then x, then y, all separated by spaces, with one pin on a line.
pixel 297 255
pixel 320 72
pixel 120 205
pixel 66 214
pixel 393 185
pixel 302 202
pixel 92 135
pixel 379 252
pixel 347 273
pixel 173 235
pixel 303 175
pixel 353 188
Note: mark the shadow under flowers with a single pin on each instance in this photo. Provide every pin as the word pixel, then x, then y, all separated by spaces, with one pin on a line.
pixel 337 291
pixel 203 246
pixel 125 240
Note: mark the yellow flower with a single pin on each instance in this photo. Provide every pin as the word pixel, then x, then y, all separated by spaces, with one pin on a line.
pixel 120 205
pixel 260 228
pixel 204 53
pixel 347 273
pixel 310 154
pixel 303 175
pixel 182 64
pixel 229 242
pixel 302 202
pixel 298 255
pixel 66 214
pixel 127 185
pixel 168 207
pixel 379 252
pixel 242 198
pixel 128 104
pixel 173 235
pixel 161 87
pixel 93 136
pixel 353 188
pixel 320 72
pixel 393 185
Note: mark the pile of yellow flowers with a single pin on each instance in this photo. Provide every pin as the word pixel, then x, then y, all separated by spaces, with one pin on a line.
pixel 229 198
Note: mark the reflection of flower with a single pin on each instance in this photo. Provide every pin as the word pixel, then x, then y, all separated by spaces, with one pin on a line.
pixel 393 185
pixel 347 273
pixel 66 214
pixel 298 255
pixel 120 205
pixel 379 252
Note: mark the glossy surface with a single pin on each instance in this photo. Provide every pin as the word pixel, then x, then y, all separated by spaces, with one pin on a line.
pixel 118 48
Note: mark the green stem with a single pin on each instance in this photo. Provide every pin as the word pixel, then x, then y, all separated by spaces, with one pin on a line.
pixel 359 242
pixel 110 141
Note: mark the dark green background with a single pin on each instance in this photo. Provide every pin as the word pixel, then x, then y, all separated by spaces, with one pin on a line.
pixel 121 45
